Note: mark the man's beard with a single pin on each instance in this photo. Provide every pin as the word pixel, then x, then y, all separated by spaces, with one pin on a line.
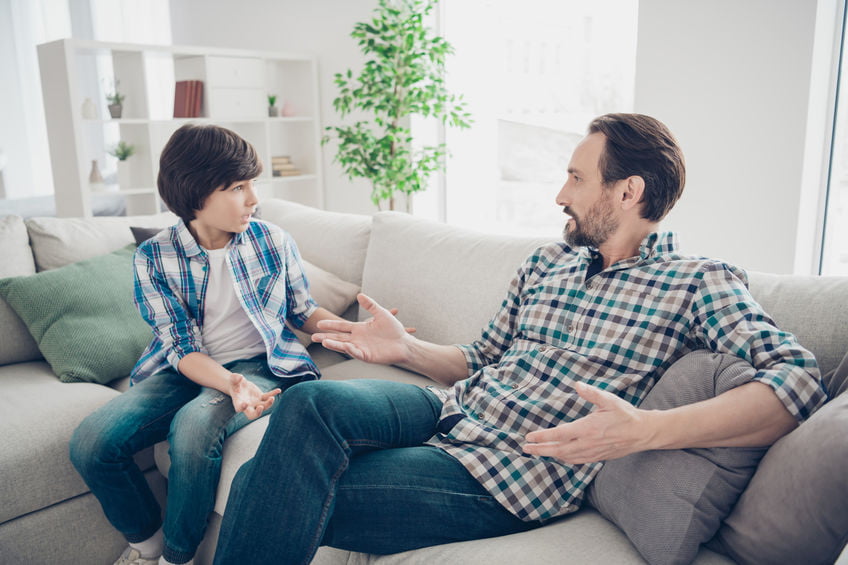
pixel 594 228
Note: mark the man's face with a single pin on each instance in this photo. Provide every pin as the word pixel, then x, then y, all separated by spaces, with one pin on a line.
pixel 584 197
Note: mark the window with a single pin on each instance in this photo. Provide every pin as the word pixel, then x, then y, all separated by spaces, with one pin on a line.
pixel 533 74
pixel 834 256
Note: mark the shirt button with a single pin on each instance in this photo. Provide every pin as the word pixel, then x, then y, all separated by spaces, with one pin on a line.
pixel 570 329
pixel 543 348
pixel 588 285
pixel 514 386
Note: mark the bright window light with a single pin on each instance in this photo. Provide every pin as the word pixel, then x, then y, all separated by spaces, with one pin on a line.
pixel 534 76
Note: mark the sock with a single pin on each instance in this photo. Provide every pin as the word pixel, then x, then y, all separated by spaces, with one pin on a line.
pixel 163 561
pixel 151 548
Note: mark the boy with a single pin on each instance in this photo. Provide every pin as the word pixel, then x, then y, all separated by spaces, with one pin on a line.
pixel 217 289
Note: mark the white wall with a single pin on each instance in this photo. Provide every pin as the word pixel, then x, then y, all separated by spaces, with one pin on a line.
pixel 318 27
pixel 732 79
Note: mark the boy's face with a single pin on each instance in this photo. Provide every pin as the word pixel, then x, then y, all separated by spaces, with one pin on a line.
pixel 226 211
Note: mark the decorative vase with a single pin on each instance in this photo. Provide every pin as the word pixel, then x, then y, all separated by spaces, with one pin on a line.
pixel 89 110
pixel 95 179
pixel 124 175
pixel 115 110
pixel 273 111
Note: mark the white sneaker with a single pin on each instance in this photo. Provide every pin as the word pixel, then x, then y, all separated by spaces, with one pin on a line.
pixel 132 556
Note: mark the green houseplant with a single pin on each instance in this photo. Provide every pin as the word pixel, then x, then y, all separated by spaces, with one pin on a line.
pixel 403 76
pixel 273 111
pixel 115 100
pixel 123 151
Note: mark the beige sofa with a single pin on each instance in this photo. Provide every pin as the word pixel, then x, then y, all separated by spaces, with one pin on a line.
pixel 446 282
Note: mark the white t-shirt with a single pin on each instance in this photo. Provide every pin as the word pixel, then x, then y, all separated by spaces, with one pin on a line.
pixel 227 334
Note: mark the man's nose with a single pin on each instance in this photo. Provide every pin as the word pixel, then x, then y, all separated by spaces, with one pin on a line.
pixel 562 195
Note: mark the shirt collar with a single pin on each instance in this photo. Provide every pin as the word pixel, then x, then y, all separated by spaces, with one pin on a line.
pixel 659 243
pixel 191 247
pixel 655 244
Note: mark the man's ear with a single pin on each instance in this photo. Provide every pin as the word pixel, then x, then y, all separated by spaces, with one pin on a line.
pixel 634 189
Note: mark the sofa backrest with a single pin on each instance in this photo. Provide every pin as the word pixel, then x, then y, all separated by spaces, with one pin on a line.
pixel 333 241
pixel 16 344
pixel 446 281
pixel 813 308
pixel 57 242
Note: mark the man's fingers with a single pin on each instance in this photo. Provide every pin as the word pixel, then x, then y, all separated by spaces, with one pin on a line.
pixel 558 434
pixel 336 325
pixel 597 396
pixel 343 347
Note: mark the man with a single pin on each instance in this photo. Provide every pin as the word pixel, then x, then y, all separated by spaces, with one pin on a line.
pixel 547 392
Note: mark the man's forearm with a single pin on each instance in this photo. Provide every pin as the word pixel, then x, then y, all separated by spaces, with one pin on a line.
pixel 445 364
pixel 750 415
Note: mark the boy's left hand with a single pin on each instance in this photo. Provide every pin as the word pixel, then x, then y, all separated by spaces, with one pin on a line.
pixel 249 398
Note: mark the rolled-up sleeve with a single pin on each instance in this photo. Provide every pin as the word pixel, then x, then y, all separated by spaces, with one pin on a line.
pixel 729 320
pixel 163 310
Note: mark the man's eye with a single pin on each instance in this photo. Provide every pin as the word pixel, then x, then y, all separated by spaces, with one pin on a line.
pixel 238 187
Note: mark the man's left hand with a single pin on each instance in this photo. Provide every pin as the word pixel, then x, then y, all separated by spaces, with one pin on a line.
pixel 615 428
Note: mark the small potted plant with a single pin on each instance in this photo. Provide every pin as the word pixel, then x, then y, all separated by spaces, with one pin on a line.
pixel 273 111
pixel 123 151
pixel 116 101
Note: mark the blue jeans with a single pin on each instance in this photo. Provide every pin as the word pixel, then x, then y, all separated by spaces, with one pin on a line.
pixel 342 464
pixel 195 420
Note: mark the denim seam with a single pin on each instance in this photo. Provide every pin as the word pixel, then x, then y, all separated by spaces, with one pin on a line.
pixel 170 414
pixel 325 510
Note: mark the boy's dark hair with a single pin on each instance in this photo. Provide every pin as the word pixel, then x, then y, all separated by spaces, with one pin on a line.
pixel 639 145
pixel 197 160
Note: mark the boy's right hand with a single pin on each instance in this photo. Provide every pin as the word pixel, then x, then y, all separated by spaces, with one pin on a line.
pixel 380 339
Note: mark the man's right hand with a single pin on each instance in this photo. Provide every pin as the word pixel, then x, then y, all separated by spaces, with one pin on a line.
pixel 380 339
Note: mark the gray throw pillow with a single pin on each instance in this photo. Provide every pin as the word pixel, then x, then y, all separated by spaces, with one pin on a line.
pixel 670 502
pixel 796 508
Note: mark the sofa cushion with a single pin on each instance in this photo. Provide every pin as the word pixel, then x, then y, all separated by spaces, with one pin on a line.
pixel 39 415
pixel 333 241
pixel 669 502
pixel 813 308
pixel 446 281
pixel 796 508
pixel 82 316
pixel 329 291
pixel 60 241
pixel 17 344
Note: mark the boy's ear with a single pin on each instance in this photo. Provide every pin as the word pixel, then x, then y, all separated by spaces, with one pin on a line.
pixel 634 189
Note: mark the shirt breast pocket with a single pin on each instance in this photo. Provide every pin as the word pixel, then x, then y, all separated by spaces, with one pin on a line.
pixel 270 289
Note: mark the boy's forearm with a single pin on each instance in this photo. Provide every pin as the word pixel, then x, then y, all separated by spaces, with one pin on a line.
pixel 311 323
pixel 205 371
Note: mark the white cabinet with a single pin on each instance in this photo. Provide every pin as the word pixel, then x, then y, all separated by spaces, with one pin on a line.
pixel 235 89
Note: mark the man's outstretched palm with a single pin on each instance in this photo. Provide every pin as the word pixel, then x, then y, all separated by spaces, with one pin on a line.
pixel 380 339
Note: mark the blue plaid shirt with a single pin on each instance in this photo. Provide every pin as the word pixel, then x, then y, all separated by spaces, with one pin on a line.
pixel 620 330
pixel 171 275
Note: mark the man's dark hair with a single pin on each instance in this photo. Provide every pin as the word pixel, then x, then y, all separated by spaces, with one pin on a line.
pixel 197 160
pixel 643 146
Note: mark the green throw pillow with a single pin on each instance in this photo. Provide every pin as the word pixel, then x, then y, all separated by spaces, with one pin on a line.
pixel 82 316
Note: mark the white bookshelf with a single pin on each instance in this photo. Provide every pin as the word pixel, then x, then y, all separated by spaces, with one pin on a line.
pixel 235 89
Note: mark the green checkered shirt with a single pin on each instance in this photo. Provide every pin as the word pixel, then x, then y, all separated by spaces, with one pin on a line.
pixel 619 331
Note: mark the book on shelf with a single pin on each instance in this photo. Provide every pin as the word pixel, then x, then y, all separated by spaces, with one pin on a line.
pixel 281 166
pixel 188 98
